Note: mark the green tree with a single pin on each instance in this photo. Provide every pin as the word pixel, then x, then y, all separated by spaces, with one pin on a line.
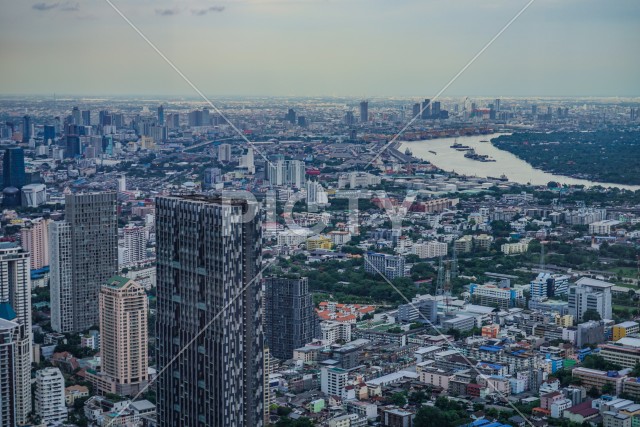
pixel 591 314
pixel 398 399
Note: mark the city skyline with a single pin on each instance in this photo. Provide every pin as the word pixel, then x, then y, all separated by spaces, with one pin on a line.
pixel 275 48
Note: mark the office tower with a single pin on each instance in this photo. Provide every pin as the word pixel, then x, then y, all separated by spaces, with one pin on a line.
pixel 416 110
pixel 13 174
pixel 76 116
pixel 94 252
pixel 15 290
pixel 364 111
pixel 34 237
pixel 72 147
pixel 291 116
pixel 302 121
pixel 212 176
pixel 8 335
pixel 161 115
pixel 316 194
pixel 289 315
pixel 208 289
pixel 426 109
pixel 49 134
pixel 135 241
pixel 435 111
pixel 496 103
pixel 50 400
pixel 224 152
pixel 391 266
pixel 534 110
pixel 123 336
pixel 26 128
pixel 547 285
pixel 122 182
pixel 590 294
pixel 349 118
pixel 104 118
pixel 86 118
pixel 60 277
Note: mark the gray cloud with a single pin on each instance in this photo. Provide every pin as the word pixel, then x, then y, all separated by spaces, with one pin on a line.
pixel 167 12
pixel 45 6
pixel 201 12
pixel 70 7
pixel 64 7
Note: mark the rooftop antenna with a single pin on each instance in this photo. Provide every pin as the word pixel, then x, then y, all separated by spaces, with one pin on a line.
pixel 454 263
pixel 440 279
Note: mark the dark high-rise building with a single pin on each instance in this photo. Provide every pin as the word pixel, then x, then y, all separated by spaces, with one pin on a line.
pixel 104 118
pixel 94 254
pixel 289 315
pixel 208 313
pixel 26 129
pixel 349 118
pixel 161 115
pixel 416 110
pixel 302 121
pixel 49 133
pixel 76 116
pixel 364 111
pixel 426 109
pixel 13 174
pixel 72 146
pixel 86 118
pixel 435 111
pixel 497 104
pixel 291 116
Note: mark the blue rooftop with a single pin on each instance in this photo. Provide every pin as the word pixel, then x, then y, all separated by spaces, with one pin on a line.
pixel 7 312
pixel 492 348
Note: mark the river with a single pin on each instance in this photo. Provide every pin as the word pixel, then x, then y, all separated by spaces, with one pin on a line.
pixel 517 170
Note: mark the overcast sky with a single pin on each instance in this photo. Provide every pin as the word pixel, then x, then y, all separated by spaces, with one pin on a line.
pixel 321 47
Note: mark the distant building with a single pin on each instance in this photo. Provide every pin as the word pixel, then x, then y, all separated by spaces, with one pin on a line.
pixel 391 266
pixel 289 315
pixel 35 239
pixel 547 285
pixel 431 249
pixel 590 294
pixel 364 111
pixel 13 173
pixel 34 195
pixel 9 334
pixel 50 396
pixel 123 337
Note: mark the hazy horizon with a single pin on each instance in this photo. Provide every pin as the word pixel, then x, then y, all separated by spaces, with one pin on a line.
pixel 321 48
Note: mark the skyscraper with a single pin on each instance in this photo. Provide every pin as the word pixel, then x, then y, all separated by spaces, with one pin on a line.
pixel 86 118
pixel 15 292
pixel 13 174
pixel 426 109
pixel 26 128
pixel 8 336
pixel 136 242
pixel 208 267
pixel 123 336
pixel 61 277
pixel 289 315
pixel 161 115
pixel 94 251
pixel 34 237
pixel 364 111
pixel 224 152
pixel 76 116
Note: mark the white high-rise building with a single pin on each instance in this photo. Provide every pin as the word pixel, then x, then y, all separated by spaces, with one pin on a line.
pixel 247 161
pixel 287 172
pixel 122 183
pixel 61 279
pixel 34 195
pixel 15 290
pixel 224 152
pixel 590 294
pixel 9 333
pixel 316 194
pixel 135 241
pixel 50 399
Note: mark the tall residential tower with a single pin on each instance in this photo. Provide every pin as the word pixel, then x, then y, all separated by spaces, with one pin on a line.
pixel 208 313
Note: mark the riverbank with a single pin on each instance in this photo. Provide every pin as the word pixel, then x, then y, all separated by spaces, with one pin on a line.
pixel 440 153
